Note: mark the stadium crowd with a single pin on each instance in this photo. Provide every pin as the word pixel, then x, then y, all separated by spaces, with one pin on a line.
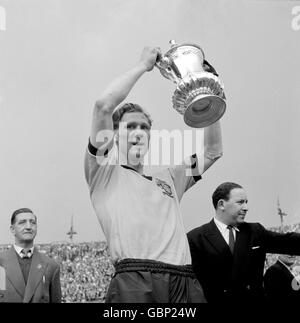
pixel 86 268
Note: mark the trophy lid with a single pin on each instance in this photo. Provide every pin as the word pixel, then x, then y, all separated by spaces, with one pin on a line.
pixel 175 47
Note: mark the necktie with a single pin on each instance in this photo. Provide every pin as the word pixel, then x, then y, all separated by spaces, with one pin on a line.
pixel 231 239
pixel 25 253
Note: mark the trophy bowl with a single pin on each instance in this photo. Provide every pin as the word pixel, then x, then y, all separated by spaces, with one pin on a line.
pixel 199 95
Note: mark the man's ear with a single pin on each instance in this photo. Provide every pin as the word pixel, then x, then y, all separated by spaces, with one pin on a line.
pixel 12 229
pixel 221 204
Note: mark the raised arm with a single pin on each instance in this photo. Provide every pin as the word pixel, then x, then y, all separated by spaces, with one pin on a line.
pixel 283 243
pixel 213 149
pixel 117 91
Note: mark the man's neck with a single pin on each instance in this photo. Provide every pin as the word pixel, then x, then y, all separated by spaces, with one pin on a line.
pixel 139 168
pixel 24 245
pixel 219 218
pixel 125 161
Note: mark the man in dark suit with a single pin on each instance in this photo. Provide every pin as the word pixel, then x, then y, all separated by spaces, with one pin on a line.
pixel 228 254
pixel 28 276
pixel 280 282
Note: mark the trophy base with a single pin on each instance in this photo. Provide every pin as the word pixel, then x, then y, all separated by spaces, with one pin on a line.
pixel 199 98
pixel 204 110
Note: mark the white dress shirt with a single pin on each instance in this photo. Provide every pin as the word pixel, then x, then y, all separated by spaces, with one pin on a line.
pixel 19 251
pixel 223 228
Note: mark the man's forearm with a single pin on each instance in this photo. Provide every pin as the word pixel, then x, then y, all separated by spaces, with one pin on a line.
pixel 118 89
pixel 213 148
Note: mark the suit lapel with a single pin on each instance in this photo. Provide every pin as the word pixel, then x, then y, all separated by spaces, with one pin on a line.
pixel 216 239
pixel 36 272
pixel 14 273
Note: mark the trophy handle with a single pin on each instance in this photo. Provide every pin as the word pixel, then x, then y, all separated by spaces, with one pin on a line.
pixel 209 68
pixel 164 66
pixel 162 62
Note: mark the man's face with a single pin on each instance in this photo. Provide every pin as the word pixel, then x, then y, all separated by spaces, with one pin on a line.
pixel 133 136
pixel 25 227
pixel 235 209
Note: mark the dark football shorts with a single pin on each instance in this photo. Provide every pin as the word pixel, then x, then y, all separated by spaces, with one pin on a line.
pixel 149 281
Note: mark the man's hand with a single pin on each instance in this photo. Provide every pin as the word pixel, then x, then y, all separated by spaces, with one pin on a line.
pixel 117 91
pixel 149 57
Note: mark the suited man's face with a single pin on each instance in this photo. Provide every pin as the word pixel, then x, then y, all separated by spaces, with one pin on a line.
pixel 24 229
pixel 235 209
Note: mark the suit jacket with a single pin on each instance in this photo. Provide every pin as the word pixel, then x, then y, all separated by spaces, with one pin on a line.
pixel 225 276
pixel 279 282
pixel 43 284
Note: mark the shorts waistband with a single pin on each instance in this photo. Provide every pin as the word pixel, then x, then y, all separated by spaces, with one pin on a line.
pixel 153 266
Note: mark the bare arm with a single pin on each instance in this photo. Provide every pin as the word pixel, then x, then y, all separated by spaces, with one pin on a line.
pixel 213 149
pixel 117 91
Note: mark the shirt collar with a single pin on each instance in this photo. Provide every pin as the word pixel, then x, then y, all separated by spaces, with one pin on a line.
pixel 289 268
pixel 19 249
pixel 222 226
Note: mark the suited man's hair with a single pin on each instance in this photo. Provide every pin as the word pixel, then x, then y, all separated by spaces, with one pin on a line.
pixel 18 211
pixel 222 192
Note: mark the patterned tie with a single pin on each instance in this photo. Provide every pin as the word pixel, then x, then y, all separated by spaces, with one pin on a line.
pixel 231 238
pixel 25 253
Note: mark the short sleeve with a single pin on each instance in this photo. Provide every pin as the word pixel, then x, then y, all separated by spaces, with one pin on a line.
pixel 185 175
pixel 99 166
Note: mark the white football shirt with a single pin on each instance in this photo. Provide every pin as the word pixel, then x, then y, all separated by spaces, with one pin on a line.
pixel 140 217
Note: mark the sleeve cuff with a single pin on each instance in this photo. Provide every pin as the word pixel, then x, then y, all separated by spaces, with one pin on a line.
pixel 193 166
pixel 92 149
pixel 95 151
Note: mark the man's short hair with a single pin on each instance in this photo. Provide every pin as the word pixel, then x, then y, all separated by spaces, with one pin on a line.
pixel 222 192
pixel 18 211
pixel 125 108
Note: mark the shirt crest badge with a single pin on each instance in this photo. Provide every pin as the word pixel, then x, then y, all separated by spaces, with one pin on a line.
pixel 166 188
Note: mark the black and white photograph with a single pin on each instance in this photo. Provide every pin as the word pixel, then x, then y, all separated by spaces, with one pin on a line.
pixel 150 153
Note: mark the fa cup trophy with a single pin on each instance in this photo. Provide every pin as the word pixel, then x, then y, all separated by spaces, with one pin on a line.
pixel 199 95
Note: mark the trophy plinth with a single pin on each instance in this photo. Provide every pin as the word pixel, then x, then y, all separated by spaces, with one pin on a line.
pixel 199 95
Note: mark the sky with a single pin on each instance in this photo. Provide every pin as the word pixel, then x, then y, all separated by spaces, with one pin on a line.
pixel 56 56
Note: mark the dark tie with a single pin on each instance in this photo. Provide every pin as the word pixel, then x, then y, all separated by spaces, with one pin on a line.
pixel 231 238
pixel 25 253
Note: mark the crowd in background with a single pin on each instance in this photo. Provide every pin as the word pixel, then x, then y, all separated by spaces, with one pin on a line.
pixel 86 268
pixel 272 258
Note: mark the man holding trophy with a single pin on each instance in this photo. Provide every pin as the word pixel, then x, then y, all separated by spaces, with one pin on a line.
pixel 139 214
